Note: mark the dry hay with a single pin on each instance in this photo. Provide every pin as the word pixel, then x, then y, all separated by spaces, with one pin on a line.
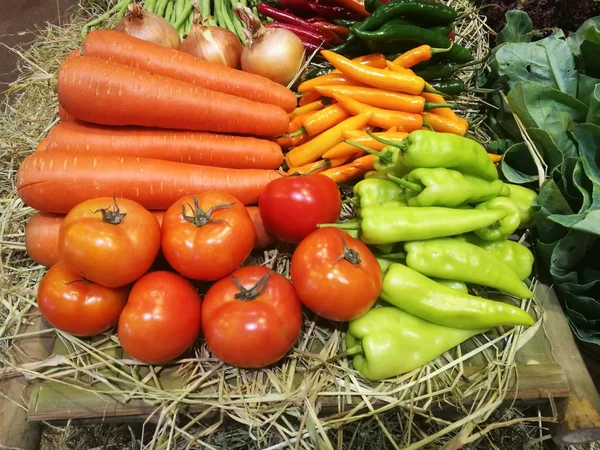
pixel 278 407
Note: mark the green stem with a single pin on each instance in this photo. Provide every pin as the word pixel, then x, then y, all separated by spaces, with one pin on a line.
pixel 430 105
pixel 350 225
pixel 98 20
pixel 237 23
pixel 226 17
pixel 432 90
pixel 179 7
pixel 401 145
pixel 395 256
pixel 123 9
pixel 433 51
pixel 186 12
pixel 204 10
pixel 300 131
pixel 363 148
pixel 426 124
pixel 406 184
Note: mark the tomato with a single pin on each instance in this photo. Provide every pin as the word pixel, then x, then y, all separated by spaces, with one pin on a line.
pixel 335 275
pixel 110 242
pixel 292 207
pixel 162 318
pixel 251 318
pixel 77 306
pixel 209 238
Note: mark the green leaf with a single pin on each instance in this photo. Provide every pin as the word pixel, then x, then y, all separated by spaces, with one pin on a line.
pixel 576 39
pixel 590 49
pixel 585 87
pixel 549 151
pixel 517 165
pixel 518 28
pixel 543 252
pixel 548 61
pixel 594 112
pixel 541 106
pixel 587 136
pixel 570 250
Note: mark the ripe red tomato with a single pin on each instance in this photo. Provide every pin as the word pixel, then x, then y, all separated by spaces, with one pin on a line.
pixel 110 242
pixel 251 318
pixel 77 306
pixel 335 275
pixel 208 236
pixel 292 207
pixel 162 318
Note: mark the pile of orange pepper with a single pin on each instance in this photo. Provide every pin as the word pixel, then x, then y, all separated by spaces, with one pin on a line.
pixel 366 93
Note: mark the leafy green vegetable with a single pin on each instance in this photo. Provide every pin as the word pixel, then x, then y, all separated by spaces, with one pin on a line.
pixel 585 87
pixel 518 28
pixel 594 112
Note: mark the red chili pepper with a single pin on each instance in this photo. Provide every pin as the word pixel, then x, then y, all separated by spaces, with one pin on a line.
pixel 281 16
pixel 295 5
pixel 316 19
pixel 333 12
pixel 339 30
pixel 311 36
pixel 357 6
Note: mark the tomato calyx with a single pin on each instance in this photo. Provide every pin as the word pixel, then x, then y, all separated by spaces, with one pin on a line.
pixel 255 291
pixel 200 217
pixel 349 254
pixel 112 214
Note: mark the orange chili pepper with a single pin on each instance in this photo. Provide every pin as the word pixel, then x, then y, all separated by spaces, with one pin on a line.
pixel 383 118
pixel 330 78
pixel 377 97
pixel 417 55
pixel 312 150
pixel 399 69
pixel 344 149
pixel 373 60
pixel 335 31
pixel 437 98
pixel 495 158
pixel 347 172
pixel 354 5
pixel 389 80
pixel 314 106
pixel 365 162
pixel 309 97
pixel 324 119
pixel 291 142
pixel 296 122
pixel 445 125
pixel 317 166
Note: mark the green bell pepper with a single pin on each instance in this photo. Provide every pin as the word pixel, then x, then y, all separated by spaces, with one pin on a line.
pixel 455 259
pixel 387 342
pixel 516 256
pixel 504 227
pixel 420 296
pixel 423 148
pixel 391 224
pixel 374 192
pixel 376 174
pixel 525 200
pixel 446 187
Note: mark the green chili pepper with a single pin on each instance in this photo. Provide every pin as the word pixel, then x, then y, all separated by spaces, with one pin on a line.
pixel 390 224
pixel 385 262
pixel 455 259
pixel 429 149
pixel 344 22
pixel 387 342
pixel 450 86
pixel 420 296
pixel 374 192
pixel 525 200
pixel 434 13
pixel 318 71
pixel 516 256
pixel 440 70
pixel 505 226
pixel 391 32
pixel 459 286
pixel 446 187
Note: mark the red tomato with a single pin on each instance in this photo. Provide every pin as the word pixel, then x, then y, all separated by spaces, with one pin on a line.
pixel 77 306
pixel 251 318
pixel 162 318
pixel 110 242
pixel 210 238
pixel 292 207
pixel 335 275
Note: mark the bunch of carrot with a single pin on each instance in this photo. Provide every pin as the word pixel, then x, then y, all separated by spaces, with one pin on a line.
pixel 153 124
pixel 368 92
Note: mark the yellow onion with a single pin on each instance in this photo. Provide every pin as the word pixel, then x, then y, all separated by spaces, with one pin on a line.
pixel 274 53
pixel 214 44
pixel 148 26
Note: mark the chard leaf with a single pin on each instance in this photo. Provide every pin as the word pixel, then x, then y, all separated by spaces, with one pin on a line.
pixel 518 28
pixel 594 112
pixel 517 165
pixel 585 87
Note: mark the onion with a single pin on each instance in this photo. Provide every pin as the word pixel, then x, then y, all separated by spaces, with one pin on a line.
pixel 214 44
pixel 148 26
pixel 275 53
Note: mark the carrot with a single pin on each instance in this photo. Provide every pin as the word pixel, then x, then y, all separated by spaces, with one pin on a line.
pixel 193 147
pixel 377 97
pixel 345 150
pixel 324 119
pixel 42 145
pixel 263 238
pixel 309 97
pixel 156 59
pixel 445 125
pixel 314 149
pixel 108 93
pixel 41 238
pixel 58 181
pixel 42 229
pixel 63 115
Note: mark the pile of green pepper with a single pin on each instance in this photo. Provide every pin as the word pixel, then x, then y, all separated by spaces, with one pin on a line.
pixel 439 220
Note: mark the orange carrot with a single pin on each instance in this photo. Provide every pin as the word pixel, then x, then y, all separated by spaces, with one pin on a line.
pixel 377 97
pixel 42 145
pixel 58 181
pixel 309 97
pixel 445 125
pixel 383 118
pixel 324 119
pixel 193 147
pixel 41 238
pixel 317 166
pixel 159 60
pixel 314 149
pixel 437 98
pixel 63 115
pixel 343 149
pixel 108 93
